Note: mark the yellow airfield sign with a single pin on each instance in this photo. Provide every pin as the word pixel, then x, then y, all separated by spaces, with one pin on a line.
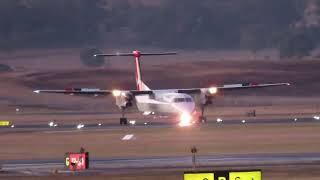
pixel 254 175
pixel 224 175
pixel 4 123
pixel 198 176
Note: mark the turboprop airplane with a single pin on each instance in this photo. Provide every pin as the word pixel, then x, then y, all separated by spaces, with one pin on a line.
pixel 169 101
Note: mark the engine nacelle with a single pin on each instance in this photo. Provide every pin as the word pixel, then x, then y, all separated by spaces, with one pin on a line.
pixel 206 97
pixel 124 100
pixel 128 104
pixel 208 100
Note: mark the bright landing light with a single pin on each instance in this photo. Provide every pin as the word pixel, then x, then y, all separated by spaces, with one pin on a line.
pixel 116 93
pixel 213 90
pixel 185 120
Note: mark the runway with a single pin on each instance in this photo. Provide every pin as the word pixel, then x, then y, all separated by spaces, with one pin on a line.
pixel 104 166
pixel 149 124
pixel 127 164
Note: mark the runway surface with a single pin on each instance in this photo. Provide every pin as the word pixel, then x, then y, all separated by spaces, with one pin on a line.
pixel 125 164
pixel 148 124
pixel 45 167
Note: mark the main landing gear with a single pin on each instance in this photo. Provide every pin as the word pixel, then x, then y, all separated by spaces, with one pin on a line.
pixel 202 118
pixel 123 119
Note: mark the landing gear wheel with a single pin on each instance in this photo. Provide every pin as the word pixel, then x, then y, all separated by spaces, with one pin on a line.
pixel 202 119
pixel 123 121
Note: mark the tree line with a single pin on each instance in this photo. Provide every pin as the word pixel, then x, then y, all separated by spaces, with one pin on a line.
pixel 251 24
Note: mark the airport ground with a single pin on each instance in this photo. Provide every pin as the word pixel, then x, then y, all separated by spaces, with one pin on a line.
pixel 218 140
pixel 279 173
pixel 59 70
pixel 213 139
pixel 296 139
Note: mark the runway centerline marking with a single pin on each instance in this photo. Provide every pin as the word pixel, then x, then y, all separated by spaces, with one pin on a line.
pixel 127 137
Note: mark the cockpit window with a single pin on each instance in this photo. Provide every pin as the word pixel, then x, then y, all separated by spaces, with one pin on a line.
pixel 178 100
pixel 188 100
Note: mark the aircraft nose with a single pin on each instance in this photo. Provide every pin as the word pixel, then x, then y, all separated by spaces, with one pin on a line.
pixel 188 107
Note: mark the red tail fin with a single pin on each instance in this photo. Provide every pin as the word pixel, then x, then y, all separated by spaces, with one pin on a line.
pixel 137 56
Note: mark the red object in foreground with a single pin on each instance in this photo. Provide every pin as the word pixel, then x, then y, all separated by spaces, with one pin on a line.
pixel 77 161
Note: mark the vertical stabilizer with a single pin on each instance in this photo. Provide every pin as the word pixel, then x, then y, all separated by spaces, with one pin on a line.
pixel 139 83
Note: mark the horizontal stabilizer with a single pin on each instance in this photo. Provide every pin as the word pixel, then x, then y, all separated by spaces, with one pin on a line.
pixel 135 54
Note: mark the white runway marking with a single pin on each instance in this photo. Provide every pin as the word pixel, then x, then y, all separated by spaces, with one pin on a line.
pixel 127 137
pixel 62 131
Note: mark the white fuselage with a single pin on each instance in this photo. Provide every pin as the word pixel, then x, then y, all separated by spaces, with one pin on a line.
pixel 165 102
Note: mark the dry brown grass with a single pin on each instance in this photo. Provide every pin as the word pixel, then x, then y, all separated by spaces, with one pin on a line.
pixel 62 68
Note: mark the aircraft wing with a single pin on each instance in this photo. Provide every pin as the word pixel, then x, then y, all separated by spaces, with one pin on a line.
pixel 250 85
pixel 77 91
pixel 210 90
pixel 229 87
pixel 93 92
